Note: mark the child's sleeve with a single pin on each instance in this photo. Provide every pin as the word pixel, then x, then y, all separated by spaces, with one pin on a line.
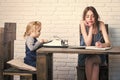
pixel 31 45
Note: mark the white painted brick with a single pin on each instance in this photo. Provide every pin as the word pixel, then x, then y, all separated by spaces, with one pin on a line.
pixel 13 1
pixel 16 4
pixel 31 1
pixel 117 9
pixel 62 77
pixel 106 9
pixel 19 8
pixel 61 60
pixel 62 18
pixel 59 64
pixel 115 0
pixel 72 56
pixel 2 1
pixel 59 56
pixel 70 64
pixel 96 4
pixel 50 1
pixel 71 77
pixel 72 72
pixel 16 77
pixel 85 1
pixel 60 72
pixel 102 0
pixel 65 68
pixel 113 4
pixel 68 1
pixel 66 77
pixel 114 14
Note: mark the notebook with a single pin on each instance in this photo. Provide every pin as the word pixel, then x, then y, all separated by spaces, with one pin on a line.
pixel 96 48
pixel 88 47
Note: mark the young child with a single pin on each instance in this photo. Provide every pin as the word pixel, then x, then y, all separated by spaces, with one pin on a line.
pixel 92 30
pixel 32 44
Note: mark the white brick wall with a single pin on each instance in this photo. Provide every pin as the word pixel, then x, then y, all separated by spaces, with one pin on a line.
pixel 62 17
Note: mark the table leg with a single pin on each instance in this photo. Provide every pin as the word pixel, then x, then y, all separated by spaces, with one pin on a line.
pixel 44 66
pixel 50 66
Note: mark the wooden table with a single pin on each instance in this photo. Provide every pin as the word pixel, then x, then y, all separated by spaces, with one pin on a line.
pixel 45 59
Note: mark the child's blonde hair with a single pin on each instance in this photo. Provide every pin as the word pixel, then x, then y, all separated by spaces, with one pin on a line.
pixel 34 25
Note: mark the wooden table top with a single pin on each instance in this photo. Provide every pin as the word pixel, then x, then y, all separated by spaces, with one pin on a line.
pixel 113 50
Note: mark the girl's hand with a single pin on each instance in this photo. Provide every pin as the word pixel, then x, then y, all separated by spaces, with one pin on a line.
pixel 98 44
pixel 88 24
pixel 43 40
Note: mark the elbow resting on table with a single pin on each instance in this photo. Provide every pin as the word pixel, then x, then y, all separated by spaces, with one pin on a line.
pixel 106 44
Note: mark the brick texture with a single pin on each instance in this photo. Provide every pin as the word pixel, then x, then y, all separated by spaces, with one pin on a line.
pixel 62 18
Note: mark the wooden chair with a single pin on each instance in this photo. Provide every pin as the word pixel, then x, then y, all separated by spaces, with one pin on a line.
pixel 24 74
pixel 11 71
pixel 8 35
pixel 104 69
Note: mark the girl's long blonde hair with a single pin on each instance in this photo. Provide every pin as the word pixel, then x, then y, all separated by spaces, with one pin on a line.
pixel 34 25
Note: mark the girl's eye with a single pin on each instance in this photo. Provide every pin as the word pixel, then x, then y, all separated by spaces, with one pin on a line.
pixel 88 16
pixel 92 16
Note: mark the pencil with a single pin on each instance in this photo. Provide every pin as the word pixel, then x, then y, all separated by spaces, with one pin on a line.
pixel 100 38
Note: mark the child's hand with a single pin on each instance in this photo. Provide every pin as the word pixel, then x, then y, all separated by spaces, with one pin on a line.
pixel 43 40
pixel 98 44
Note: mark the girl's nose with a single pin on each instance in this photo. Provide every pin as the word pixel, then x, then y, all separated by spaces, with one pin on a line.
pixel 90 18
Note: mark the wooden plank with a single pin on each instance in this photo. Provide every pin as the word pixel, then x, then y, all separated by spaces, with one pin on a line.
pixel 10 32
pixel 1 34
pixel 1 42
pixel 9 37
pixel 42 66
pixel 50 66
pixel 1 52
pixel 45 66
pixel 1 61
pixel 15 71
pixel 8 42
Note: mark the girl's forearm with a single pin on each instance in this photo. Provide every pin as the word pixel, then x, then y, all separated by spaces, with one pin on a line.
pixel 106 44
pixel 88 39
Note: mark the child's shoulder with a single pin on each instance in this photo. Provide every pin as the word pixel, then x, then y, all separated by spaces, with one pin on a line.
pixel 29 38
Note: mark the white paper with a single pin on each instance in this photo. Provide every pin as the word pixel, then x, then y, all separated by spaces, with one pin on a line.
pixel 53 43
pixel 96 48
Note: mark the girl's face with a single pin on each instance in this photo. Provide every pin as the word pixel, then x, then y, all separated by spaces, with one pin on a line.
pixel 89 18
pixel 36 33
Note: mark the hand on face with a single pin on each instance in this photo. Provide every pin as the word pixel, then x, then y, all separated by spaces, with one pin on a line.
pixel 89 24
pixel 89 18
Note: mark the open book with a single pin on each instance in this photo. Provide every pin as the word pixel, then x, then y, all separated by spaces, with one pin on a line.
pixel 88 47
pixel 96 48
